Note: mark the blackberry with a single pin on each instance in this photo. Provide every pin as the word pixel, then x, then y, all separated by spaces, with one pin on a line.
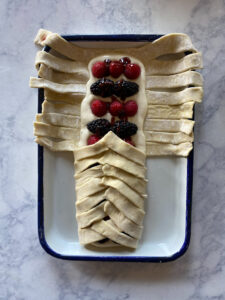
pixel 124 129
pixel 99 126
pixel 124 89
pixel 103 87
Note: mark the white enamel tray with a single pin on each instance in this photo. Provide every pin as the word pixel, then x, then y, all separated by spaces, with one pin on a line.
pixel 167 221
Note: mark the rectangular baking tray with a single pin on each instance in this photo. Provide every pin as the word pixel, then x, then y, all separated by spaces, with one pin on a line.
pixel 167 223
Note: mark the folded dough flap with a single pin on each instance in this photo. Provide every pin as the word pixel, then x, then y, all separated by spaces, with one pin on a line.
pixel 110 188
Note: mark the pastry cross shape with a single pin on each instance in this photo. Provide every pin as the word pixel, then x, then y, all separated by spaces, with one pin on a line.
pixel 113 163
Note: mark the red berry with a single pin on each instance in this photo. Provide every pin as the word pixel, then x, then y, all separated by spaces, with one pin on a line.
pixel 132 71
pixel 125 60
pixel 99 69
pixel 130 108
pixel 98 107
pixel 116 68
pixel 129 141
pixel 116 108
pixel 93 139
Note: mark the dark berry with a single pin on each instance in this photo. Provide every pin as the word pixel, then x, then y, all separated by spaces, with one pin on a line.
pixel 100 126
pixel 116 68
pixel 107 62
pixel 125 60
pixel 103 87
pixel 99 69
pixel 132 71
pixel 130 108
pixel 98 107
pixel 124 89
pixel 93 139
pixel 116 108
pixel 124 129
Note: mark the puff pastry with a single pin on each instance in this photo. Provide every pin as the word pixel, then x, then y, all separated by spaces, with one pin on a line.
pixel 110 175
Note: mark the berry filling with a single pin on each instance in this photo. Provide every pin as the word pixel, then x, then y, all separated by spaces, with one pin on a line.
pixel 125 60
pixel 124 129
pixel 98 107
pixel 100 126
pixel 132 71
pixel 124 89
pixel 129 141
pixel 93 139
pixel 116 68
pixel 130 108
pixel 103 87
pixel 116 108
pixel 99 69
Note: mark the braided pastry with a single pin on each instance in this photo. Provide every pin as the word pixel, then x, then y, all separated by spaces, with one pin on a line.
pixel 110 146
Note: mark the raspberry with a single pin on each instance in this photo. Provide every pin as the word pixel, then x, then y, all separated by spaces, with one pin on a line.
pixel 100 126
pixel 103 87
pixel 130 108
pixel 93 139
pixel 124 129
pixel 116 68
pixel 116 108
pixel 132 71
pixel 125 60
pixel 129 141
pixel 98 107
pixel 99 69
pixel 124 89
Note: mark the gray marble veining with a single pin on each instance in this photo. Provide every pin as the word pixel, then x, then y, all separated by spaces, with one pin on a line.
pixel 26 271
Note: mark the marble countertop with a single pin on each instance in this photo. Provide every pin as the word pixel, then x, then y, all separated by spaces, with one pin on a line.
pixel 26 271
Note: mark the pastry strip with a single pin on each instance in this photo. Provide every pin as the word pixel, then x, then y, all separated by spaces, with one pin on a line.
pixel 104 228
pixel 90 151
pixel 174 98
pixel 171 112
pixel 89 236
pixel 174 81
pixel 58 119
pixel 89 173
pixel 169 67
pixel 42 129
pixel 168 138
pixel 95 214
pixel 60 64
pixel 111 141
pixel 139 185
pixel 61 108
pixel 171 43
pixel 106 244
pixel 68 145
pixel 71 98
pixel 60 77
pixel 88 203
pixel 41 37
pixel 121 162
pixel 158 149
pixel 125 190
pixel 57 87
pixel 122 221
pixel 131 211
pixel 161 125
pixel 86 190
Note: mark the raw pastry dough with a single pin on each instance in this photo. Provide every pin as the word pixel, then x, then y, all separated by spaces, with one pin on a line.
pixel 170 97
pixel 107 182
pixel 110 175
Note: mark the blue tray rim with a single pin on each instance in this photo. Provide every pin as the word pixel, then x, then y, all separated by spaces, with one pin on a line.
pixel 40 196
